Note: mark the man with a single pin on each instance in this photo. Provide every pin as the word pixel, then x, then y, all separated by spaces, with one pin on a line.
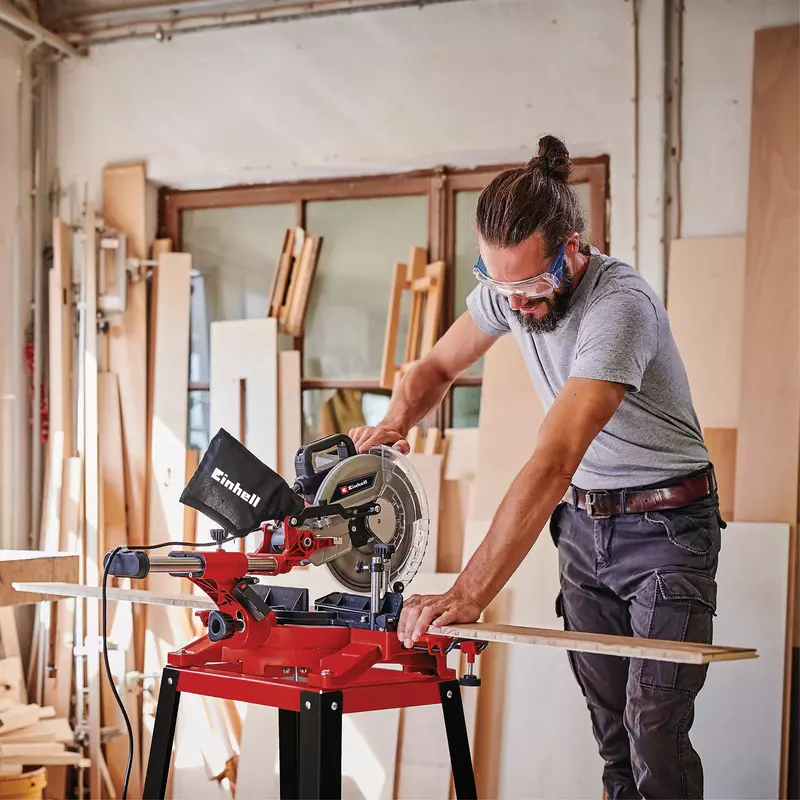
pixel 620 468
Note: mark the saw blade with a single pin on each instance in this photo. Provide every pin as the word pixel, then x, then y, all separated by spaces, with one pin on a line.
pixel 403 520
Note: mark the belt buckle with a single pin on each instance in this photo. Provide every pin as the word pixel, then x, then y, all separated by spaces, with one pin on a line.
pixel 590 501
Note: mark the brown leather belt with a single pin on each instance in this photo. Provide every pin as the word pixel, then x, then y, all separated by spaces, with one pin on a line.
pixel 604 504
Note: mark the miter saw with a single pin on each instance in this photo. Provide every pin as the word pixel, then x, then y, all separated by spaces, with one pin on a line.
pixel 365 518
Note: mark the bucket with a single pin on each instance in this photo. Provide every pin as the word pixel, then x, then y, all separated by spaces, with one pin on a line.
pixel 25 786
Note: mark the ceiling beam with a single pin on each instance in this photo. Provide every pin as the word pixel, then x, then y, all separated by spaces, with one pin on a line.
pixel 16 20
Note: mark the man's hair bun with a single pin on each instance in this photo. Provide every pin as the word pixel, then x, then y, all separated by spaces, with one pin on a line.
pixel 552 160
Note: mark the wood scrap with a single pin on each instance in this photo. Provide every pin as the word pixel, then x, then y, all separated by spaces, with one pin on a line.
pixel 12 685
pixel 18 717
pixel 425 282
pixel 43 730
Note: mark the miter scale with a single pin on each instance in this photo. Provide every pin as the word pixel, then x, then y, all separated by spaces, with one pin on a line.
pixel 364 517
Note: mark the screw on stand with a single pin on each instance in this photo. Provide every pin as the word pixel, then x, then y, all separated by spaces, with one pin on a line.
pixel 219 535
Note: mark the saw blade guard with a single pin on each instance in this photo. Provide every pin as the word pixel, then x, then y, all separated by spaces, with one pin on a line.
pixel 402 489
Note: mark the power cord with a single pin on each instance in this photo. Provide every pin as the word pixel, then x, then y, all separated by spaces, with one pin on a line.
pixel 110 677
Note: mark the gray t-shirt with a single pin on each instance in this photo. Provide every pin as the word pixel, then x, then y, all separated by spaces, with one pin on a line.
pixel 616 329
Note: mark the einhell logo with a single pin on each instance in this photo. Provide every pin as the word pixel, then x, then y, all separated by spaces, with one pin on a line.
pixel 352 487
pixel 220 477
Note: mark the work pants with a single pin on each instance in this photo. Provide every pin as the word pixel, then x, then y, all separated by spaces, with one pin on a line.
pixel 648 575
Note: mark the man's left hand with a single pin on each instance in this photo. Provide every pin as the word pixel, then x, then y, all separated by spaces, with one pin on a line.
pixel 421 611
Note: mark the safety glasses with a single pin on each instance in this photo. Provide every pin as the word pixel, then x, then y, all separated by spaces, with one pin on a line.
pixel 530 288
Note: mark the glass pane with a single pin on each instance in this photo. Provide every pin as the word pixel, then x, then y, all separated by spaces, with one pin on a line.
pixel 234 253
pixel 362 241
pixel 327 411
pixel 466 406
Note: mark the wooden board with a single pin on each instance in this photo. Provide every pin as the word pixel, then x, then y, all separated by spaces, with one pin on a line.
pixel 28 565
pixel 300 290
pixel 510 416
pixel 42 730
pixel 12 686
pixel 290 412
pixel 18 717
pixel 605 644
pixel 429 468
pixel 769 437
pixel 246 351
pixel 709 335
pixel 657 650
pixel 737 727
pixel 189 513
pixel 721 443
pixel 91 495
pixel 142 596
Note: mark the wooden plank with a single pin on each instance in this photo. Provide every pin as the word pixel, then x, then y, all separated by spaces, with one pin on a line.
pixel 91 495
pixel 43 730
pixel 433 307
pixel 606 644
pixel 190 514
pixel 62 758
pixel 416 269
pixel 460 461
pixel 289 285
pixel 167 628
pixel 429 469
pixel 114 533
pixel 721 443
pixel 302 280
pixel 26 565
pixel 18 717
pixel 290 412
pixel 143 596
pixel 414 439
pixel 768 446
pixel 388 365
pixel 709 335
pixel 280 277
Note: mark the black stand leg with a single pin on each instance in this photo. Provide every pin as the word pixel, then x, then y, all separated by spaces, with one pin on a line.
pixel 289 746
pixel 320 757
pixel 155 782
pixel 458 741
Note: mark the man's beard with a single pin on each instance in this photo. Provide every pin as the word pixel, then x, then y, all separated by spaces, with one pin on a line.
pixel 557 307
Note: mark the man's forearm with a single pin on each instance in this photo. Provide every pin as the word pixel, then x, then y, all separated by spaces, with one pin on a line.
pixel 531 499
pixel 418 393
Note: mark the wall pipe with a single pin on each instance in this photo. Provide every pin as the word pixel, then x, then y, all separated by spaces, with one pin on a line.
pixel 41 35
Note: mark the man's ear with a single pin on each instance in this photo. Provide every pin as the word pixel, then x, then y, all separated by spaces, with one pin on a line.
pixel 573 243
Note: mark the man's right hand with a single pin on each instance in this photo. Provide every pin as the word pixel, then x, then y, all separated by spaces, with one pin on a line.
pixel 369 435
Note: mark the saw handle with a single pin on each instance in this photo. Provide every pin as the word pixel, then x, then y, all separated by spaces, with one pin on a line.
pixel 309 478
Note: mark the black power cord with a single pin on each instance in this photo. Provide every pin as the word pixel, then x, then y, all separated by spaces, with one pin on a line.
pixel 110 677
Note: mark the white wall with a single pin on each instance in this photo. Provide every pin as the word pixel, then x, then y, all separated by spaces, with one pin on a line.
pixel 718 70
pixel 464 83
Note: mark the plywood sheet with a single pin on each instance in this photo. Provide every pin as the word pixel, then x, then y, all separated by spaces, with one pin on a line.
pixel 768 446
pixel 290 412
pixel 510 416
pixel 709 334
pixel 737 728
pixel 721 444
pixel 460 449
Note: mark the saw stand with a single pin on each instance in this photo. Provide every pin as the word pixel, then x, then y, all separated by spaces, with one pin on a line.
pixel 311 699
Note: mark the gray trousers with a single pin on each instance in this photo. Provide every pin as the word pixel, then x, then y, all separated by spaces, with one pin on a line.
pixel 648 575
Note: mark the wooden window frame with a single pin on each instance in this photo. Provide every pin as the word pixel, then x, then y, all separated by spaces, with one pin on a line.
pixel 440 185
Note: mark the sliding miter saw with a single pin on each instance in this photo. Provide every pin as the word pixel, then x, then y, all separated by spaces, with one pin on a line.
pixel 364 517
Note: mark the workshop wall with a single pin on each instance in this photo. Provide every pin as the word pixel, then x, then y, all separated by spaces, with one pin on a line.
pixel 461 83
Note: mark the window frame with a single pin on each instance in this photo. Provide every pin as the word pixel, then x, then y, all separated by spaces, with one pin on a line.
pixel 440 185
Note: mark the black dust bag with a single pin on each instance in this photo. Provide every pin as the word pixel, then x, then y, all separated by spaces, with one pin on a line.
pixel 236 490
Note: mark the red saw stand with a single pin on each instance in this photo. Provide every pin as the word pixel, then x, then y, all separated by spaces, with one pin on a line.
pixel 313 666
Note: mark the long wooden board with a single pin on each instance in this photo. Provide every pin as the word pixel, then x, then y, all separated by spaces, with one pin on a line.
pixel 605 644
pixel 768 447
pixel 624 646
pixel 290 412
